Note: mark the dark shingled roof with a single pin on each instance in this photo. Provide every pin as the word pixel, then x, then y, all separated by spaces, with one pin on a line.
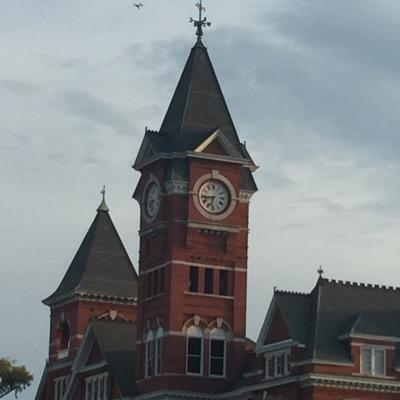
pixel 101 266
pixel 197 109
pixel 333 310
pixel 117 342
pixel 198 106
pixel 295 309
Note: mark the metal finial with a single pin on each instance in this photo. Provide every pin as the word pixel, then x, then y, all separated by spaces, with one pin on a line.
pixel 103 206
pixel 320 271
pixel 201 22
pixel 138 5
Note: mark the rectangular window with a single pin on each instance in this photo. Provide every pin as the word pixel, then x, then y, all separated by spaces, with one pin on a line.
pixel 149 358
pixel 271 366
pixel 194 280
pixel 96 387
pixel 209 281
pixel 158 355
pixel 60 387
pixel 373 362
pixel 223 282
pixel 217 357
pixel 277 364
pixel 194 354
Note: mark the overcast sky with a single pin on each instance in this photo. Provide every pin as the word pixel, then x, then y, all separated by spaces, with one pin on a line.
pixel 313 87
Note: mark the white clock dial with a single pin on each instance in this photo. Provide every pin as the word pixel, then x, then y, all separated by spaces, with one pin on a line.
pixel 152 199
pixel 214 197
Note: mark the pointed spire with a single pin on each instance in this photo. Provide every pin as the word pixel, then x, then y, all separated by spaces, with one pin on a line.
pixel 103 206
pixel 101 265
pixel 198 106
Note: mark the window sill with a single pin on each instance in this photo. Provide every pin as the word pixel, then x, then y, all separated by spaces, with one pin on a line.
pixel 374 376
pixel 210 295
pixel 62 354
pixel 271 378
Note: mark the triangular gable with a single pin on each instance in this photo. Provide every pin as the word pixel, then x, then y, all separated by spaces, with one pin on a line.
pixel 146 151
pixel 218 143
pixel 278 330
pixel 95 355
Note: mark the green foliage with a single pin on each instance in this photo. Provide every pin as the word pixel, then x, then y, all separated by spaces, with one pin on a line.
pixel 13 378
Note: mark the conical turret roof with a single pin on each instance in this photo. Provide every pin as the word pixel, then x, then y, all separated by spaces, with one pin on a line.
pixel 198 105
pixel 101 266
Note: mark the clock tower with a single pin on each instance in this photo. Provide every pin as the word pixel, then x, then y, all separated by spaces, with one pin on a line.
pixel 194 192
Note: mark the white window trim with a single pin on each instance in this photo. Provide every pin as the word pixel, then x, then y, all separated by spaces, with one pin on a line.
pixel 149 341
pixel 94 378
pixel 286 365
pixel 209 361
pixel 57 382
pixel 201 356
pixel 158 351
pixel 373 349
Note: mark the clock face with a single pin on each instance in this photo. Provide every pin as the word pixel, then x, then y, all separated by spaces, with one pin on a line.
pixel 152 199
pixel 214 197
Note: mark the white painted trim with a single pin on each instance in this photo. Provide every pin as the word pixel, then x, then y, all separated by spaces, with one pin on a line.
pixel 242 161
pixel 373 349
pixel 219 228
pixel 369 337
pixel 209 295
pixel 214 175
pixel 223 140
pixel 201 356
pixel 286 365
pixel 191 264
pixel 266 326
pixel 278 346
pixel 209 357
pixel 94 378
pixel 322 362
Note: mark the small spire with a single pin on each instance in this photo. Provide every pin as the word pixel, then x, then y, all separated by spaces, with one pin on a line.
pixel 103 205
pixel 201 22
pixel 320 272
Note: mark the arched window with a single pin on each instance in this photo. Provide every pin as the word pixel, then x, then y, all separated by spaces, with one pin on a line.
pixel 65 334
pixel 194 351
pixel 217 352
pixel 159 350
pixel 149 356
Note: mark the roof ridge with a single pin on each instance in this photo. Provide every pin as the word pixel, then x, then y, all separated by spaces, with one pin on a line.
pixel 291 292
pixel 362 284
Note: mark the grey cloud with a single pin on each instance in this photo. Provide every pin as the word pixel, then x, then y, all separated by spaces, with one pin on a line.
pixel 20 87
pixel 57 157
pixel 72 62
pixel 86 106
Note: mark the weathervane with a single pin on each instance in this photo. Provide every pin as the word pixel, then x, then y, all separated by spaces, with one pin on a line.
pixel 320 271
pixel 103 192
pixel 201 22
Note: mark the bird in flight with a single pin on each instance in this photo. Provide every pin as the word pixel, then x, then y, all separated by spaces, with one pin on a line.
pixel 138 5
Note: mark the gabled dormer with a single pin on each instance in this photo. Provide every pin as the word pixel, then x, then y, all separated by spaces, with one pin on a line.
pixel 373 346
pixel 284 333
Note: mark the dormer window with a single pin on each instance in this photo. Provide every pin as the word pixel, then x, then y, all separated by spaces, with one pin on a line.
pixel 277 364
pixel 64 336
pixel 373 361
pixel 96 387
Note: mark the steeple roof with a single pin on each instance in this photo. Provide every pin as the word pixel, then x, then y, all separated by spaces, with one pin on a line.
pixel 198 106
pixel 101 267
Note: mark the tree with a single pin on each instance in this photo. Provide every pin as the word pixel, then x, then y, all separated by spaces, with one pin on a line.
pixel 13 378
